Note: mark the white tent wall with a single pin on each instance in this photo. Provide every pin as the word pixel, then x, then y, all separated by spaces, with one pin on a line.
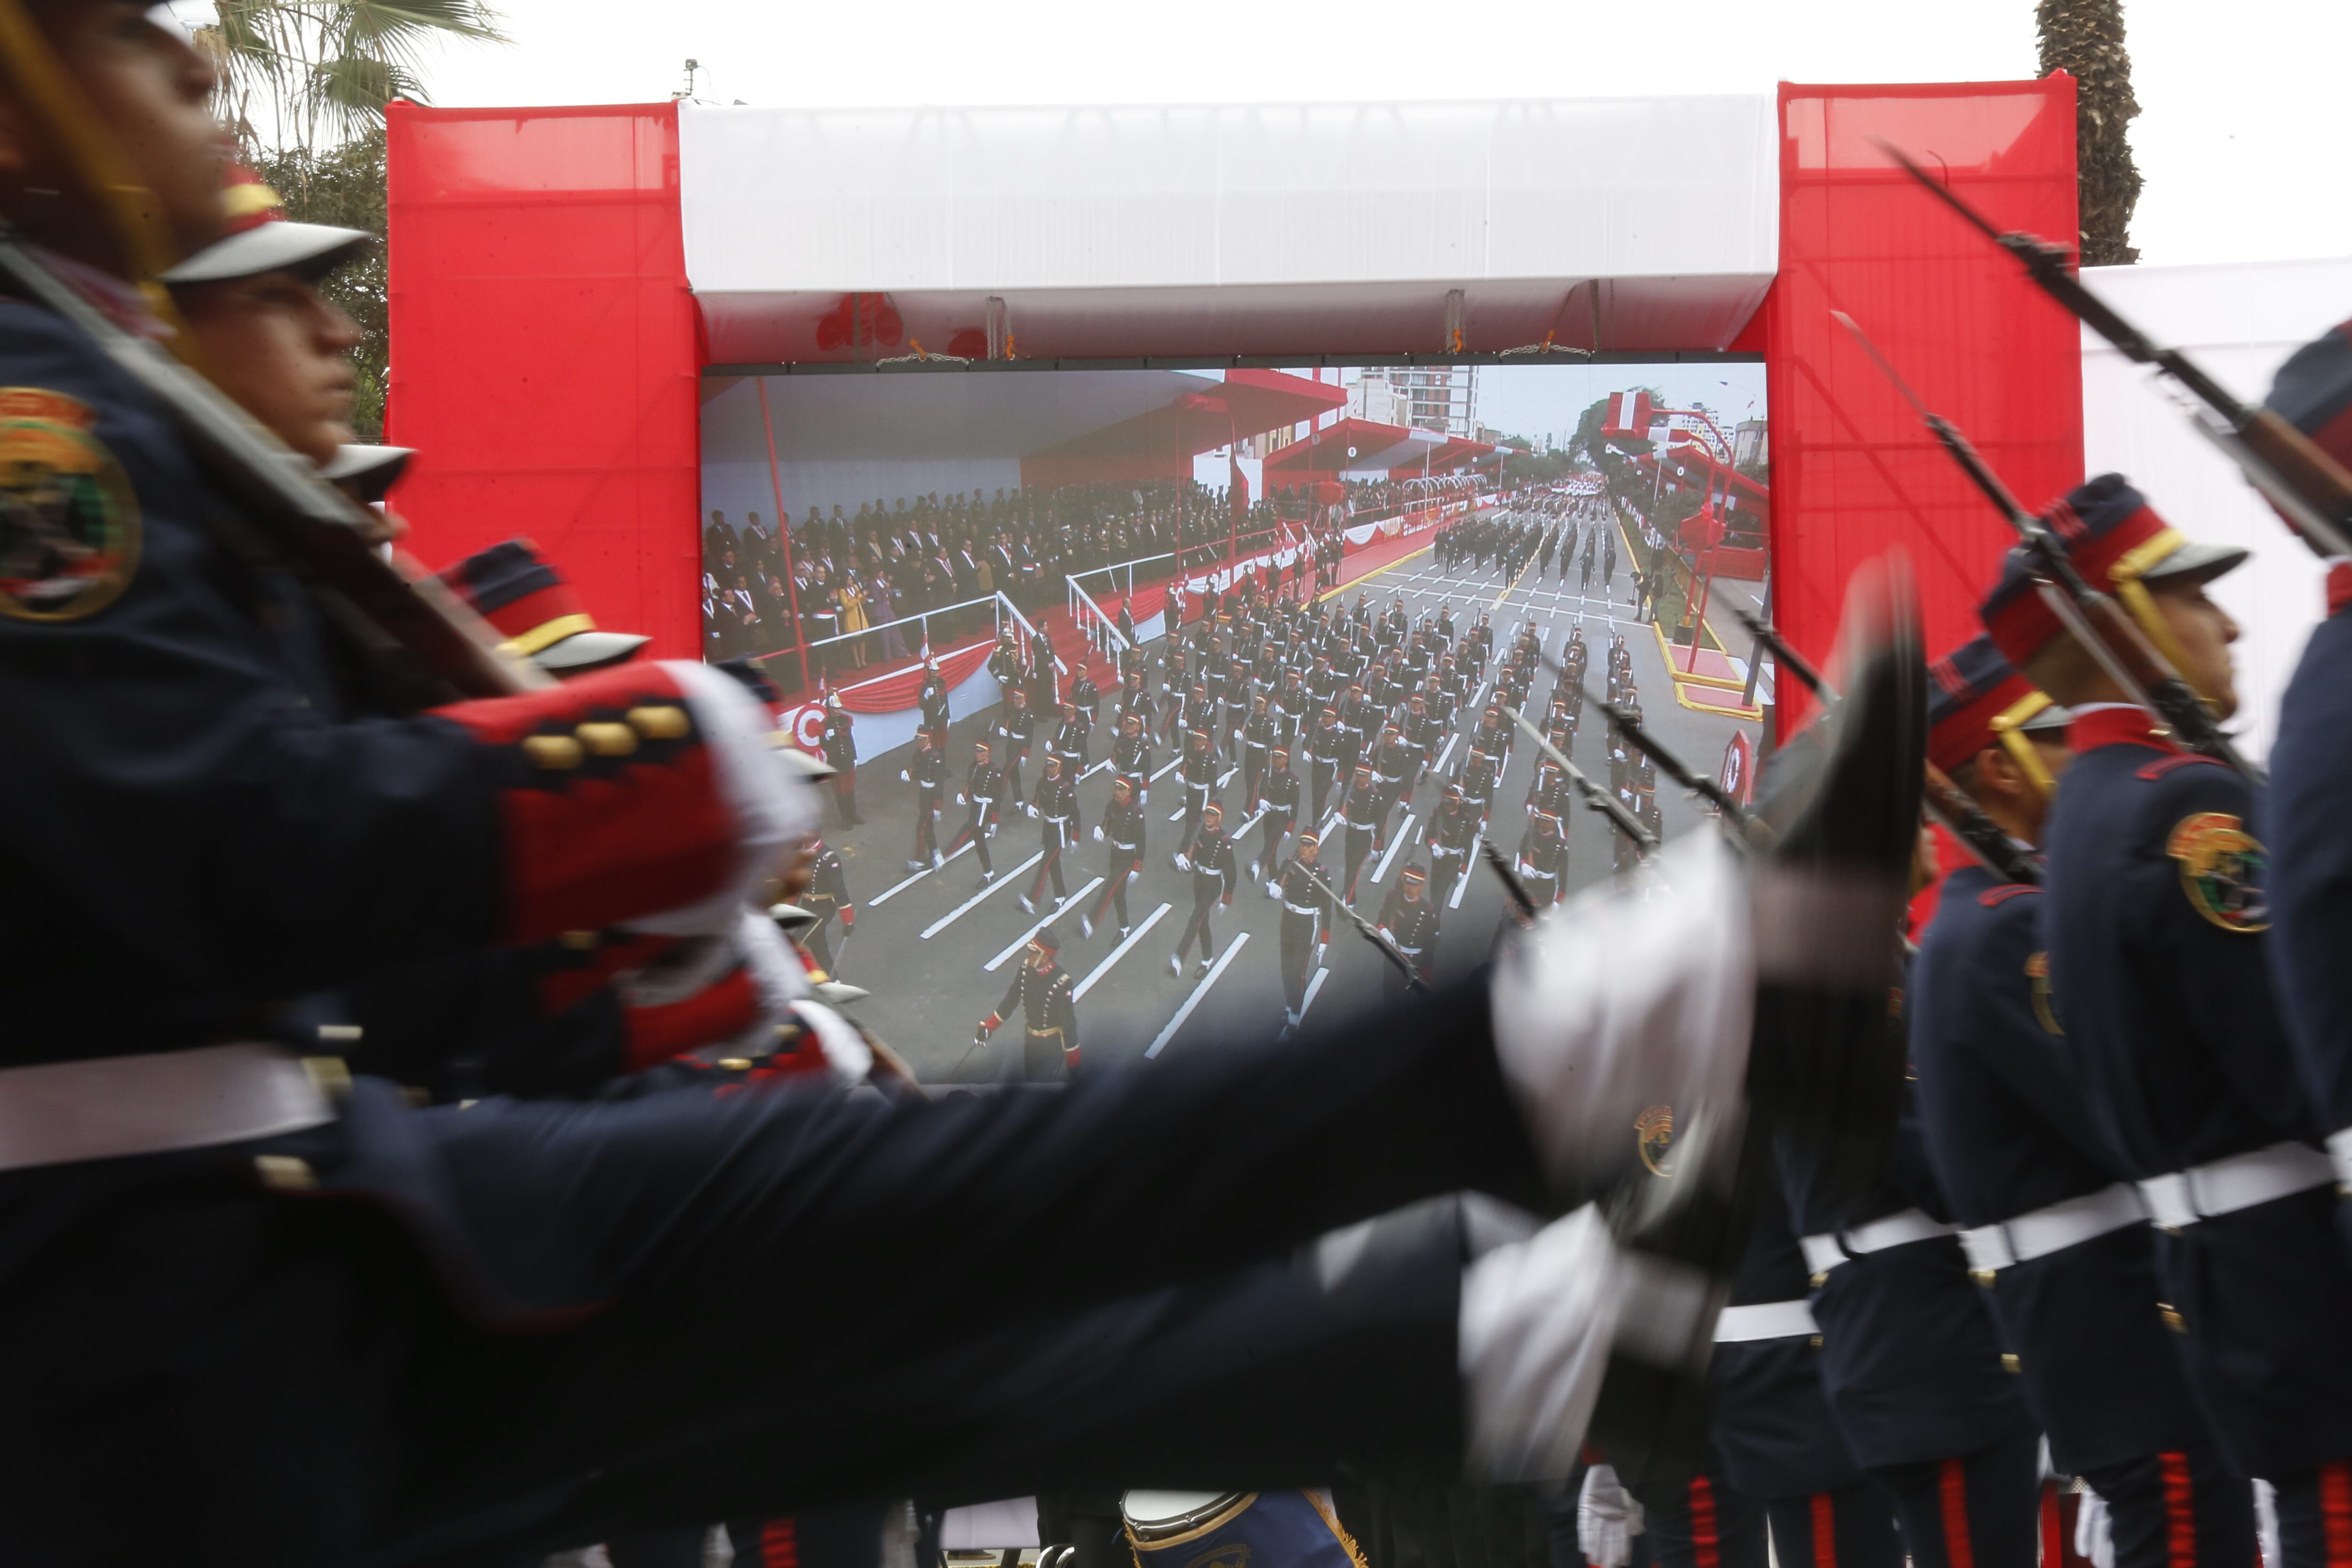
pixel 1245 215
pixel 2240 322
pixel 1171 196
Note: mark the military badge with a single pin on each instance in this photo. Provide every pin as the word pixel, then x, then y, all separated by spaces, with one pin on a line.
pixel 1653 1136
pixel 2220 870
pixel 68 521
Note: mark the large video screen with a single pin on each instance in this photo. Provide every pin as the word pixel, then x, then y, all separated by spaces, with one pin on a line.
pixel 1096 649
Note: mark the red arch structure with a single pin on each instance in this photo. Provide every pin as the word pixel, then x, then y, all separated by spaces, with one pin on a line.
pixel 550 358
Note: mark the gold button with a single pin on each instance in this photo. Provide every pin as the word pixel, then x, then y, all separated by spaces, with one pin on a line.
pixel 735 1064
pixel 554 752
pixel 284 1173
pixel 659 721
pixel 608 740
pixel 2172 1319
pixel 579 941
pixel 1821 1279
pixel 1816 1341
pixel 1983 1277
pixel 343 1034
pixel 2009 1360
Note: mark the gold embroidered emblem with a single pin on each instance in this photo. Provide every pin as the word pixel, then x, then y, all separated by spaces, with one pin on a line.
pixel 68 521
pixel 2221 866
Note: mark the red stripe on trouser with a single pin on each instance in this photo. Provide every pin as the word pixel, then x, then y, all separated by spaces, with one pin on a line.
pixel 1703 1536
pixel 2180 1512
pixel 779 1545
pixel 1824 1531
pixel 2335 1513
pixel 1957 1553
pixel 2053 1535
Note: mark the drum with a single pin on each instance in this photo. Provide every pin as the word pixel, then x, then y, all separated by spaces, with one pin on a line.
pixel 1236 1530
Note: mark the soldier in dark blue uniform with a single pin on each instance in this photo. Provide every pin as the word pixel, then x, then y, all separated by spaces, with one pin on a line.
pixel 1410 918
pixel 1040 995
pixel 1122 826
pixel 2310 882
pixel 2154 923
pixel 984 793
pixel 2062 1247
pixel 1306 914
pixel 1910 1360
pixel 322 1327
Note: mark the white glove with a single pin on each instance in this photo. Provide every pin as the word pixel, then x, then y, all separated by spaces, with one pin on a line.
pixel 2094 1530
pixel 1030 809
pixel 1616 1007
pixel 1539 1318
pixel 1097 832
pixel 960 799
pixel 772 805
pixel 1274 889
pixel 905 777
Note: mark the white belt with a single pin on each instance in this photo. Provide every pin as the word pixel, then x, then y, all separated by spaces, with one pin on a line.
pixel 112 1106
pixel 2051 1228
pixel 1300 908
pixel 2239 1182
pixel 1826 1251
pixel 1765 1320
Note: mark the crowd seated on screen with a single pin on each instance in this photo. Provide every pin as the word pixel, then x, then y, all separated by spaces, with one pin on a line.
pixel 855 572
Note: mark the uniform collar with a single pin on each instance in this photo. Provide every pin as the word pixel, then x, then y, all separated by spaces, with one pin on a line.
pixel 2339 584
pixel 2098 724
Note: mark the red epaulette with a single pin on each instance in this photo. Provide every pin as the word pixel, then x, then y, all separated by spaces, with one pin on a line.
pixel 2163 765
pixel 1992 897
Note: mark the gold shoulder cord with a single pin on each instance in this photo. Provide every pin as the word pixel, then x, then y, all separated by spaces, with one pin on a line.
pixel 96 160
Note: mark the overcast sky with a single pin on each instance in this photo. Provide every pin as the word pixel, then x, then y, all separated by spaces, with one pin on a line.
pixel 2242 104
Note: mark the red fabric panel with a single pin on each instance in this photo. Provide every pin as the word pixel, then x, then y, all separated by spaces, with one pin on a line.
pixel 1854 472
pixel 892 693
pixel 544 353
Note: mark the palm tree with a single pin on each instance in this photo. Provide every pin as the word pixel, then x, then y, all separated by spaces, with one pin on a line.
pixel 310 75
pixel 2085 39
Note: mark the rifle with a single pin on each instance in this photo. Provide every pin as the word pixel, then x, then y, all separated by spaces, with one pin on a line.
pixel 1952 806
pixel 1598 799
pixel 1523 907
pixel 1368 931
pixel 2095 620
pixel 423 644
pixel 2310 489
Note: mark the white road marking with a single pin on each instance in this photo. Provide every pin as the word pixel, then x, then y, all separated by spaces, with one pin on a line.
pixel 1394 845
pixel 1226 777
pixel 1216 972
pixel 887 894
pixel 1164 771
pixel 1312 987
pixel 1116 953
pixel 1177 815
pixel 1437 769
pixel 998 885
pixel 993 964
pixel 1093 771
pixel 1468 860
